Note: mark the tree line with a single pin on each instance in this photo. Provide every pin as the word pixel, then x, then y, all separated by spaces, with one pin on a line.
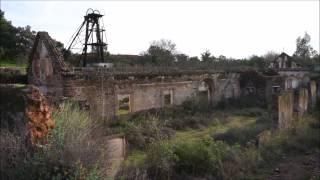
pixel 16 44
pixel 164 53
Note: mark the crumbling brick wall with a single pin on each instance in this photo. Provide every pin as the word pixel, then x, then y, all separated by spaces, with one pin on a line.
pixel 98 90
pixel 93 93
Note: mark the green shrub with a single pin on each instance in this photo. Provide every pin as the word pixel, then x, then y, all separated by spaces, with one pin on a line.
pixel 134 166
pixel 74 137
pixel 160 160
pixel 303 137
pixel 211 159
pixel 194 105
pixel 252 112
pixel 200 158
pixel 205 158
pixel 73 150
pixel 242 102
pixel 195 121
pixel 146 130
pixel 243 135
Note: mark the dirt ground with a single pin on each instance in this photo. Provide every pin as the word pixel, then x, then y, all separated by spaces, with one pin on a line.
pixel 306 166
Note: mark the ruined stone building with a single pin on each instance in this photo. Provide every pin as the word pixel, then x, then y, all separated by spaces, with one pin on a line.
pixel 107 92
pixel 283 61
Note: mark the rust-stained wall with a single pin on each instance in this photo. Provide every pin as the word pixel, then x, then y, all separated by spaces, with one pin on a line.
pixel 285 109
pixel 313 93
pixel 38 113
pixel 26 113
pixel 288 104
pixel 303 101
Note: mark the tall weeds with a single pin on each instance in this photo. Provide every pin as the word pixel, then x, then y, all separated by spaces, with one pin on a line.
pixel 75 149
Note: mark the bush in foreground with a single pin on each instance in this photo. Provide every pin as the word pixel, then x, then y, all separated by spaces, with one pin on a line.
pixel 72 150
pixel 210 159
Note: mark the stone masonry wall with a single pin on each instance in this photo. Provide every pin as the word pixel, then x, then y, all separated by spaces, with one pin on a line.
pixel 288 104
pixel 45 67
pixel 147 96
pixel 303 101
pixel 285 109
pixel 95 95
pixel 100 92
pixel 313 93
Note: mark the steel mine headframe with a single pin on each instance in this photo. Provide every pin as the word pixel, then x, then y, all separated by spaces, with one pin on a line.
pixel 93 38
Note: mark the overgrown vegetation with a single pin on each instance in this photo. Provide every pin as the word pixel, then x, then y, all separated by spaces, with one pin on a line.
pixel 209 144
pixel 244 134
pixel 11 63
pixel 73 150
pixel 239 144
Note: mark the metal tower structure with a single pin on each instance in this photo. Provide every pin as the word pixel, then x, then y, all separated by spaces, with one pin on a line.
pixel 93 46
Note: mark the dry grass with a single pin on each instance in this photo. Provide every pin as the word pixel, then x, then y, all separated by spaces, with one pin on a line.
pixel 77 138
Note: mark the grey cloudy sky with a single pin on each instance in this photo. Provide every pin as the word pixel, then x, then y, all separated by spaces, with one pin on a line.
pixel 232 28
